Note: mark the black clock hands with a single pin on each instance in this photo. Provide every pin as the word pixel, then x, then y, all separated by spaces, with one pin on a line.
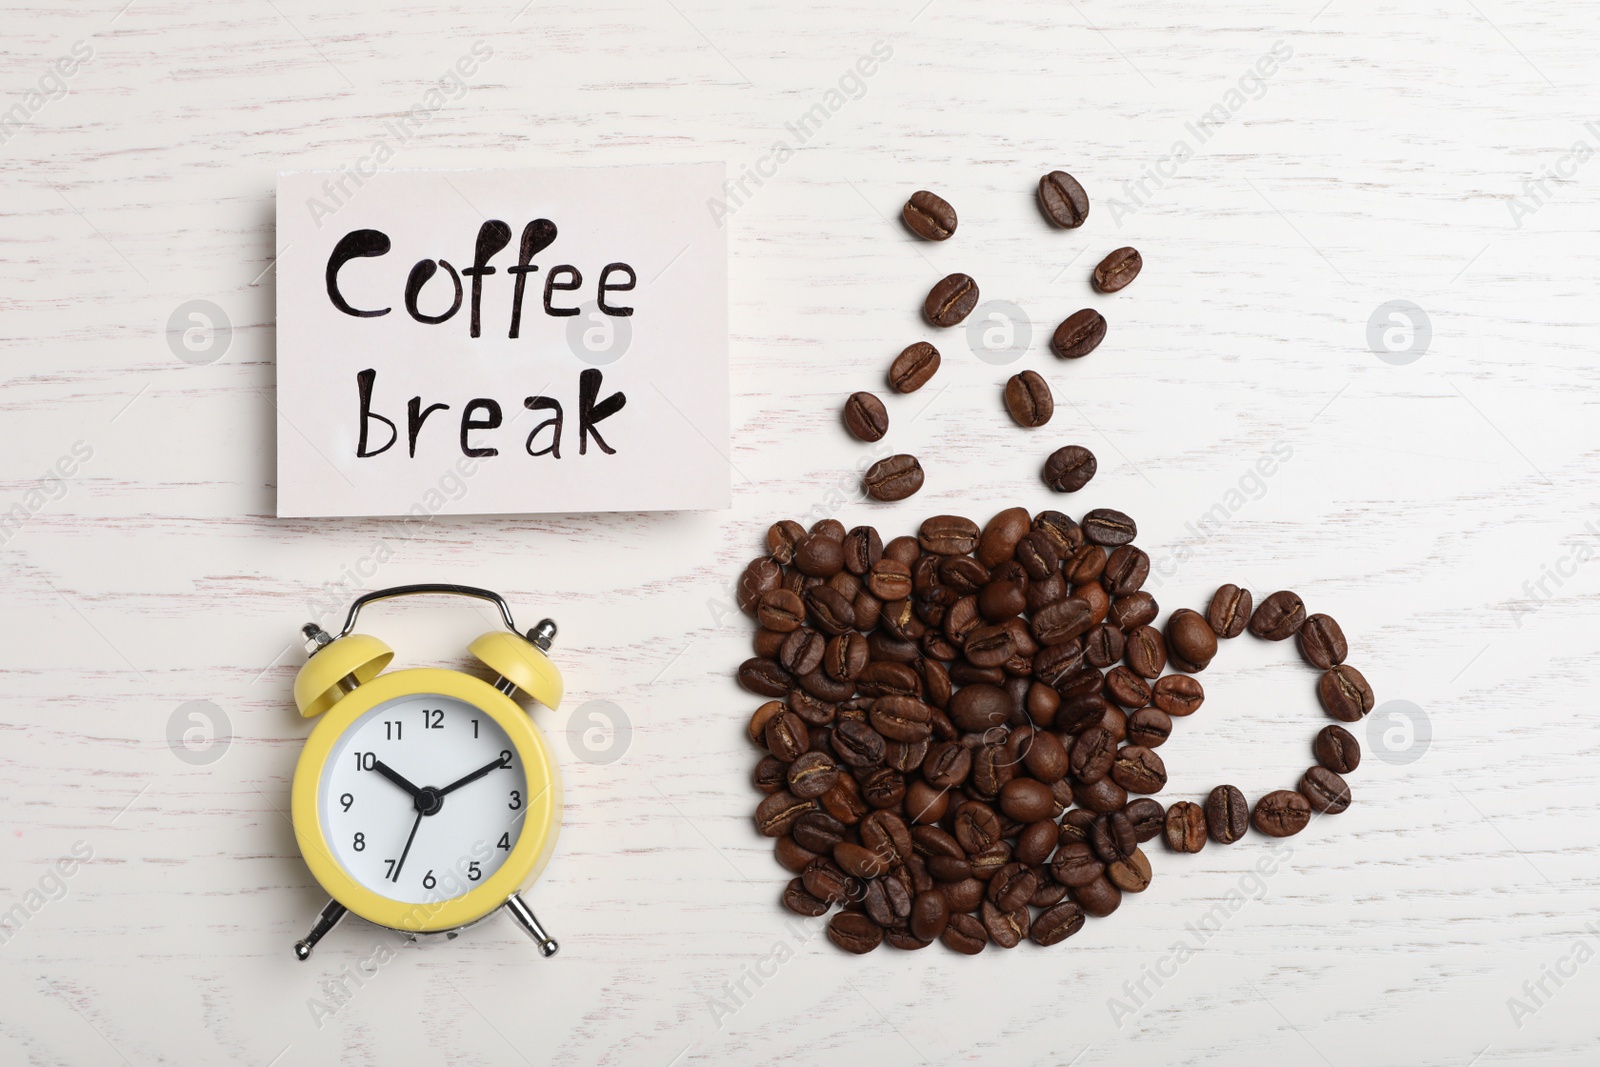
pixel 393 776
pixel 395 877
pixel 502 760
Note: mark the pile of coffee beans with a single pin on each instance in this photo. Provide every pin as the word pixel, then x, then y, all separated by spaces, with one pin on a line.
pixel 1027 395
pixel 961 727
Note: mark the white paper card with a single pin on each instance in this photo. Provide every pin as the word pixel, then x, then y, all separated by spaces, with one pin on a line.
pixel 514 341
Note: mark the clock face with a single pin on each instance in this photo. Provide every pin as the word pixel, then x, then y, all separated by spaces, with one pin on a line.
pixel 423 798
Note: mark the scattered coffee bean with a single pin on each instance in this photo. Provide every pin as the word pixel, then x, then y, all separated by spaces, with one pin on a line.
pixel 893 479
pixel 950 300
pixel 1229 612
pixel 1321 642
pixel 964 934
pixel 1178 694
pixel 1079 334
pixel 1149 727
pixel 929 216
pixel 865 417
pixel 1279 617
pixel 1069 468
pixel 1227 814
pixel 1104 526
pixel 1117 270
pixel 1028 399
pixel 1055 925
pixel 1281 813
pixel 1345 694
pixel 1063 200
pixel 1337 750
pixel 1186 827
pixel 854 932
pixel 1190 641
pixel 914 367
pixel 1148 818
pixel 1325 791
pixel 1131 875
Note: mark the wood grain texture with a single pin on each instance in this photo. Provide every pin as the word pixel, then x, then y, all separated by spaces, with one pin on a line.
pixel 1423 505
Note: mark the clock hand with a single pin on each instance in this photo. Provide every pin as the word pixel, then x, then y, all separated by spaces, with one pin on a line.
pixel 390 773
pixel 395 878
pixel 499 761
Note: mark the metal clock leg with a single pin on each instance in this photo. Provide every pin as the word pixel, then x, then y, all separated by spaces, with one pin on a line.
pixel 332 912
pixel 528 921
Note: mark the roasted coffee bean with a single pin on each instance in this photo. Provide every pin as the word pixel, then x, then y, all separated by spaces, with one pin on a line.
pixel 783 538
pixel 901 718
pixel 1115 722
pixel 1075 864
pixel 868 609
pixel 893 479
pixel 1281 813
pixel 948 535
pixel 1178 694
pixel 801 652
pixel 1190 640
pixel 759 576
pixel 786 736
pixel 1028 399
pixel 1092 755
pixel 947 764
pixel 832 529
pixel 1054 663
pixel 1105 526
pixel 854 932
pixel 1186 827
pixel 1132 612
pixel 1103 645
pixel 819 556
pixel 925 803
pixel 1112 837
pixel 1117 270
pixel 1229 612
pixel 826 881
pixel 1227 814
pixel 1337 750
pixel 1046 758
pixel 1148 818
pixel 1000 536
pixel 1079 713
pixel 979 707
pixel 901 938
pixel 950 300
pixel 1321 642
pixel 928 216
pixel 764 677
pixel 1062 621
pixel 1149 727
pixel 846 656
pixel 1037 555
pixel 791 856
pixel 1063 200
pixel 991 770
pixel 1343 690
pixel 1278 617
pixel 1131 875
pixel 812 774
pixel 1139 770
pixel 905 757
pixel 913 367
pixel 863 548
pixel 988 646
pixel 865 417
pixel 976 826
pixel 1325 791
pixel 990 860
pixel 770 775
pixel 844 801
pixel 777 814
pixel 797 900
pixel 1075 826
pixel 830 610
pixel 884 787
pixel 1098 898
pixel 1012 886
pixel 818 684
pixel 1002 600
pixel 1128 689
pixel 1007 926
pixel 964 934
pixel 1026 800
pixel 857 744
pixel 887 834
pixel 1036 841
pixel 819 832
pixel 936 687
pixel 1069 468
pixel 1079 334
pixel 882 678
pixel 1054 925
pixel 1147 653
pixel 781 611
pixel 1086 564
pixel 859 861
pixel 887 902
pixel 930 842
pixel 903 548
pixel 768 643
pixel 1126 570
pixel 963 574
pixel 930 914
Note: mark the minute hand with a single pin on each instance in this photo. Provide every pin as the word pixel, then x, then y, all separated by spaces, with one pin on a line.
pixel 499 761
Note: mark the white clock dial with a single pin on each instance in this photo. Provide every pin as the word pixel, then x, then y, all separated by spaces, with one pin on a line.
pixel 400 810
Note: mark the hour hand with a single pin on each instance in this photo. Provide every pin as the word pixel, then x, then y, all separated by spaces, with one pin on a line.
pixel 394 776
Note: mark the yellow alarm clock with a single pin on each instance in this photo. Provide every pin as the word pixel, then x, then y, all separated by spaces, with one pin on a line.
pixel 426 799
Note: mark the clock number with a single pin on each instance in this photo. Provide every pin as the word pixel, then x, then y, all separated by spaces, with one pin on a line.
pixel 505 757
pixel 473 872
pixel 347 800
pixel 432 720
pixel 389 874
pixel 505 842
pixel 429 881
pixel 365 761
pixel 516 800
pixel 474 729
pixel 360 843
pixel 391 730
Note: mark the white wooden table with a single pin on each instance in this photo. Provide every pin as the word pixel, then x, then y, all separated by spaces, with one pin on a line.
pixel 1441 505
